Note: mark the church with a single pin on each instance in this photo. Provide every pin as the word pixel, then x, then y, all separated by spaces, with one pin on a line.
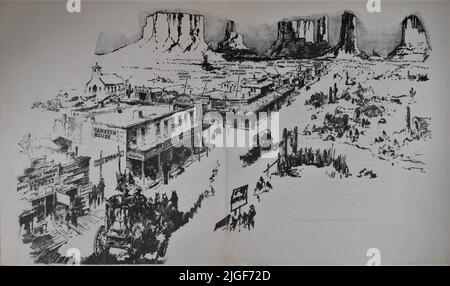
pixel 103 86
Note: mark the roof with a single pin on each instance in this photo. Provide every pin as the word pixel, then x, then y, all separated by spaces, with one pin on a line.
pixel 111 79
pixel 224 95
pixel 129 116
pixel 46 143
pixel 63 143
pixel 256 83
pixel 266 100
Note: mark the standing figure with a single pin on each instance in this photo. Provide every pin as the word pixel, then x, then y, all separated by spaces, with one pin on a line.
pixel 251 217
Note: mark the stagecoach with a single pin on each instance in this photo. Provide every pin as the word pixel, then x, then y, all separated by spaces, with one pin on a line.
pixel 127 224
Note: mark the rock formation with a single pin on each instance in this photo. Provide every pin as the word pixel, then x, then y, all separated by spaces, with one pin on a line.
pixel 301 39
pixel 304 29
pixel 322 30
pixel 233 48
pixel 232 40
pixel 164 35
pixel 174 32
pixel 347 45
pixel 414 43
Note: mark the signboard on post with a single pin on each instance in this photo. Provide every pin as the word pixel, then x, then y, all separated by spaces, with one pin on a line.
pixel 108 158
pixel 239 197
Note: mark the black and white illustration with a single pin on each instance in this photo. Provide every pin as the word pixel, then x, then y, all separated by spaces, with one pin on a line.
pixel 224 132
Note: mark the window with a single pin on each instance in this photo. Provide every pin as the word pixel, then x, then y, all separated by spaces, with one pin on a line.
pixel 158 129
pixel 191 114
pixel 166 127
pixel 133 136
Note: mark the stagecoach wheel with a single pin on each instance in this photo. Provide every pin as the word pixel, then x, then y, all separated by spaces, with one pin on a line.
pixel 100 240
pixel 137 231
pixel 136 240
pixel 161 254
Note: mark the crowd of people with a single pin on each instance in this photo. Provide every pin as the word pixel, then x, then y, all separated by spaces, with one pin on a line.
pixel 245 219
pixel 262 186
pixel 237 220
pixel 210 191
pixel 97 195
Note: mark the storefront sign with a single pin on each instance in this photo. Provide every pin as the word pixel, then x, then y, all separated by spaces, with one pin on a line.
pixel 83 189
pixel 23 186
pixel 219 105
pixel 105 133
pixel 39 194
pixel 108 158
pixel 136 155
pixel 43 177
pixel 63 199
pixel 144 155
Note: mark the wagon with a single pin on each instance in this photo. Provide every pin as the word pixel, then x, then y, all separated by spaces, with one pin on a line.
pixel 117 232
pixel 126 220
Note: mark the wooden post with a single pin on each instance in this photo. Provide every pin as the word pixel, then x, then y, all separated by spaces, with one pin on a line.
pixel 101 152
pixel 185 85
pixel 142 173
pixel 237 85
pixel 54 204
pixel 118 151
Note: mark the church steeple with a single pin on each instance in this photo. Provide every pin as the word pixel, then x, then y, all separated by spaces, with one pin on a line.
pixel 96 70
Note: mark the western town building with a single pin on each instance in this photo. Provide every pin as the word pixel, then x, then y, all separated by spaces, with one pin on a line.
pixel 154 139
pixel 51 184
pixel 231 98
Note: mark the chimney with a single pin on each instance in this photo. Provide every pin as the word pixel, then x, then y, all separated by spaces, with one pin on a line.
pixel 139 114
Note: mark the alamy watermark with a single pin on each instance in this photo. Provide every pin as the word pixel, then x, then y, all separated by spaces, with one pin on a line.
pixel 229 129
pixel 373 6
pixel 73 6
pixel 375 257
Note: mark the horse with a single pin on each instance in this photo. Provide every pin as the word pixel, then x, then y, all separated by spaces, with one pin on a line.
pixel 258 188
